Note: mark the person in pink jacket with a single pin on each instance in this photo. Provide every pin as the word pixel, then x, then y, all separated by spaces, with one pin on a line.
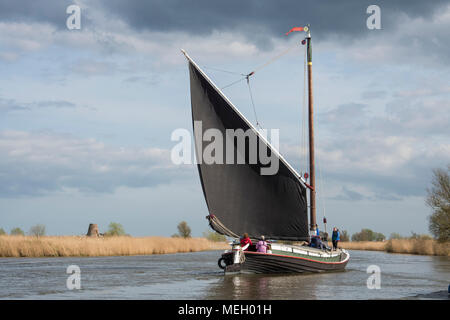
pixel 262 245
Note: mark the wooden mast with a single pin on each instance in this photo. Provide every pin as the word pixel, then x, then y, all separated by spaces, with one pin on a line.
pixel 312 181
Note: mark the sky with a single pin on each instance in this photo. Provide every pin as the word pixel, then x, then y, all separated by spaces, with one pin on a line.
pixel 86 115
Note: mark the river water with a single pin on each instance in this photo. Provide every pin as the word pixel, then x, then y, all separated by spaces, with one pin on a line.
pixel 196 276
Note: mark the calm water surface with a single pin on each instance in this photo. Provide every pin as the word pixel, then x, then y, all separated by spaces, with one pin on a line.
pixel 197 276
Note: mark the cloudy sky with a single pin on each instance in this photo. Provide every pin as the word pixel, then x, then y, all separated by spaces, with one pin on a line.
pixel 86 115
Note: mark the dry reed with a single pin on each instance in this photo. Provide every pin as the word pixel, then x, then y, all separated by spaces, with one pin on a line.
pixel 418 246
pixel 70 246
pixel 411 246
pixel 363 245
pixel 75 246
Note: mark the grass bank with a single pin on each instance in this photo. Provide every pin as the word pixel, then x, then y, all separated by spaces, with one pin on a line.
pixel 411 246
pixel 76 246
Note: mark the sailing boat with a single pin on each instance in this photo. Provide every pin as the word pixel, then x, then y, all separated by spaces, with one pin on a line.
pixel 240 199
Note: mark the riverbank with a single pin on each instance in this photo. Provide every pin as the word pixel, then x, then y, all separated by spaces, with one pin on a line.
pixel 410 246
pixel 78 246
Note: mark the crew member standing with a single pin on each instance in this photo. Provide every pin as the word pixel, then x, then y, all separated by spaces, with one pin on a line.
pixel 335 238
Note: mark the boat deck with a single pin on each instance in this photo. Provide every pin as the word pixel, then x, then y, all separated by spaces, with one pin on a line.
pixel 308 252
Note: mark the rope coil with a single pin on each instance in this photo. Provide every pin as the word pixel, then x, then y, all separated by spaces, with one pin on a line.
pixel 217 226
pixel 242 257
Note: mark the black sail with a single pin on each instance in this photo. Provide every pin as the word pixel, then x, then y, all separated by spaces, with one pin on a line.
pixel 238 197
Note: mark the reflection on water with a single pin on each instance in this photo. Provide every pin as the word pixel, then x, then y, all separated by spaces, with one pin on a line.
pixel 247 286
pixel 196 276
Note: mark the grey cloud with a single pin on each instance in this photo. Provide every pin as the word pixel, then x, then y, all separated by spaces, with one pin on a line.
pixel 390 154
pixel 411 116
pixel 143 80
pixel 47 11
pixel 419 117
pixel 8 105
pixel 392 186
pixel 259 20
pixel 55 104
pixel 35 164
pixel 423 91
pixel 11 105
pixel 374 94
pixel 88 67
pixel 262 19
pixel 387 196
pixel 347 194
pixel 345 118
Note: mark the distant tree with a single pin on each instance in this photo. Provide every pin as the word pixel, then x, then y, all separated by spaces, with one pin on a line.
pixel 115 229
pixel 214 236
pixel 363 235
pixel 368 235
pixel 183 230
pixel 344 236
pixel 438 199
pixel 379 237
pixel 37 230
pixel 395 235
pixel 417 236
pixel 17 232
pixel 2 232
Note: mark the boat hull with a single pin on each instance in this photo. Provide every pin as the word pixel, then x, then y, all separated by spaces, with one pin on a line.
pixel 256 262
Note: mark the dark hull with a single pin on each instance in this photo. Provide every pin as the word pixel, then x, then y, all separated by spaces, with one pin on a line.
pixel 273 263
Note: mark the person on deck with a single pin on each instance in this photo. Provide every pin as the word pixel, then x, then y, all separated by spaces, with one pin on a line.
pixel 317 230
pixel 316 242
pixel 335 238
pixel 245 242
pixel 262 245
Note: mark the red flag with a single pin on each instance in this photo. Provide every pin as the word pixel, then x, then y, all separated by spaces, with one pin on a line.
pixel 295 29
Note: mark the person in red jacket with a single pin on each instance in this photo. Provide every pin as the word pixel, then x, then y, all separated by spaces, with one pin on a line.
pixel 245 242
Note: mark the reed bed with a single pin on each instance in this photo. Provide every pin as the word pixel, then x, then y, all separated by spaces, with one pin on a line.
pixel 80 246
pixel 410 246
pixel 417 246
pixel 77 246
pixel 363 245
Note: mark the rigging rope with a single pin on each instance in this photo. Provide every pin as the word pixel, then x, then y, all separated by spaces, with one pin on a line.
pixel 247 77
pixel 226 71
pixel 253 103
pixel 229 85
pixel 274 59
pixel 321 199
